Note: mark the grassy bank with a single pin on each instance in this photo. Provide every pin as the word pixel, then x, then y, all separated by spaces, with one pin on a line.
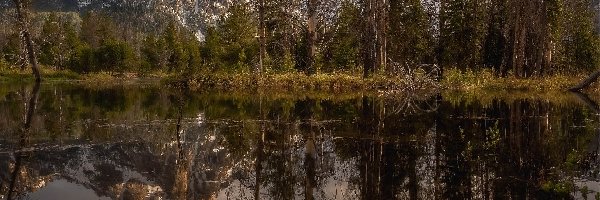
pixel 299 82
pixel 455 81
pixel 486 81
pixel 97 79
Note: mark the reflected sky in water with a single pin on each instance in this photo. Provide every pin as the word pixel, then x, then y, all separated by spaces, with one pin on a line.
pixel 64 141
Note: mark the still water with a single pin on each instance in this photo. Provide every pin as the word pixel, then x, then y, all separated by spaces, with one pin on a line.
pixel 67 141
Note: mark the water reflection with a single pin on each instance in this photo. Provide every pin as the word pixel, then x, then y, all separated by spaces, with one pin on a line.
pixel 24 139
pixel 150 142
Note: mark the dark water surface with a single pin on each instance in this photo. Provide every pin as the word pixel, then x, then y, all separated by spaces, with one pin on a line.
pixel 63 141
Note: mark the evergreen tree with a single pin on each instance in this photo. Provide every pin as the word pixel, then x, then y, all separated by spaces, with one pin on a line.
pixel 51 38
pixel 194 63
pixel 212 49
pixel 114 56
pixel 495 43
pixel 581 42
pixel 232 45
pixel 82 60
pixel 344 51
pixel 461 33
pixel 411 41
pixel 282 30
pixel 176 57
pixel 152 54
pixel 97 29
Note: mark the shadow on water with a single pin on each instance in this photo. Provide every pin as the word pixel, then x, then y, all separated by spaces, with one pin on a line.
pixel 150 142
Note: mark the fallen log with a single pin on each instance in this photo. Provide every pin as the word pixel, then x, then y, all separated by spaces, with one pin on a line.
pixel 586 82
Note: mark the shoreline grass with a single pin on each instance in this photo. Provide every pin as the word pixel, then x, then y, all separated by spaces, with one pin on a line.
pixel 103 79
pixel 485 80
pixel 453 80
pixel 300 82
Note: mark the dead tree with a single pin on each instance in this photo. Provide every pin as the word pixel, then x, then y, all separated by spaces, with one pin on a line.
pixel 586 82
pixel 22 20
pixel 374 39
pixel 261 35
pixel 312 36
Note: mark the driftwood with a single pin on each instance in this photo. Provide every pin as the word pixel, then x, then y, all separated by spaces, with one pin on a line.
pixel 586 82
pixel 21 17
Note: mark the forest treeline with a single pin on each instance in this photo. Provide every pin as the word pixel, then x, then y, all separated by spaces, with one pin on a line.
pixel 364 37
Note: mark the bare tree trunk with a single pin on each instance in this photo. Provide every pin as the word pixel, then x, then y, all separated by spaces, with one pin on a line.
pixel 312 36
pixel 262 34
pixel 368 39
pixel 22 18
pixel 518 37
pixel 543 39
pixel 520 47
pixel 381 29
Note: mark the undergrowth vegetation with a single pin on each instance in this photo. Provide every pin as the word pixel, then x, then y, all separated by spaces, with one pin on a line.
pixel 454 79
pixel 335 82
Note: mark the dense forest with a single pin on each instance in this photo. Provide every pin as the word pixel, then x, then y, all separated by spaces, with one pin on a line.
pixel 362 37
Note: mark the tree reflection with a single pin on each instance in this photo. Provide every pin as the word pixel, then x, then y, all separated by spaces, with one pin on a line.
pixel 20 154
pixel 179 145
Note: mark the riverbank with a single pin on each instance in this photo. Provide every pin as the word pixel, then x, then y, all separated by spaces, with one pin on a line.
pixel 453 80
pixel 486 81
pixel 99 79
pixel 300 82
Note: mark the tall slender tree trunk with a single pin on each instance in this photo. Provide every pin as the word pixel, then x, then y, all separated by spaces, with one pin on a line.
pixel 23 22
pixel 262 35
pixel 519 36
pixel 312 36
pixel 381 29
pixel 374 39
pixel 546 41
pixel 368 39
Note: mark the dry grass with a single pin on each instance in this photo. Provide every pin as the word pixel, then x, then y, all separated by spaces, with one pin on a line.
pixel 296 82
pixel 485 80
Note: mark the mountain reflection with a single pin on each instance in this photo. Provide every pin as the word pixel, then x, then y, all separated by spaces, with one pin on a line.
pixel 147 143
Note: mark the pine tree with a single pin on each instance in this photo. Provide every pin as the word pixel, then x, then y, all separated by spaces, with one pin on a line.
pixel 232 44
pixel 343 50
pixel 96 29
pixel 581 42
pixel 411 42
pixel 151 52
pixel 462 31
pixel 51 38
pixel 176 58
pixel 282 32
